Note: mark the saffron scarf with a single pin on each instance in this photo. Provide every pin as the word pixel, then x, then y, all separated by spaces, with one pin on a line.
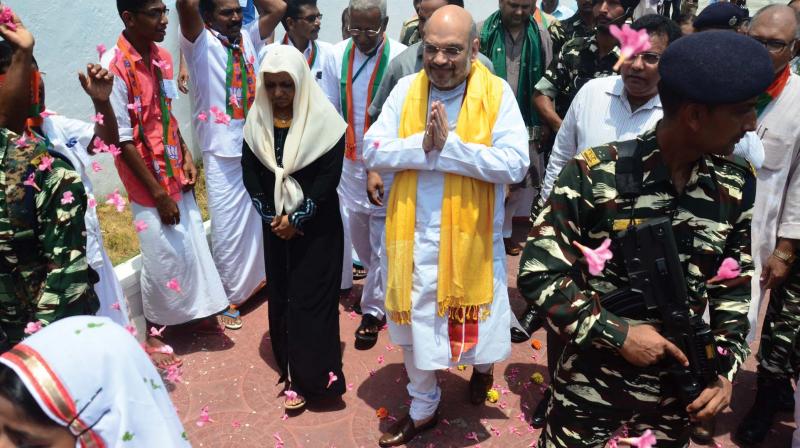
pixel 165 160
pixel 531 66
pixel 773 91
pixel 237 85
pixel 346 89
pixel 465 274
pixel 312 58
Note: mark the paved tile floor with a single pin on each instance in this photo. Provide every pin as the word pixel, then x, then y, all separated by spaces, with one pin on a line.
pixel 233 375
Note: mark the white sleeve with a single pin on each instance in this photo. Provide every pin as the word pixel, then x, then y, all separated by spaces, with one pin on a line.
pixel 384 151
pixel 81 130
pixel 564 148
pixel 119 102
pixel 330 82
pixel 751 148
pixel 505 162
pixel 253 32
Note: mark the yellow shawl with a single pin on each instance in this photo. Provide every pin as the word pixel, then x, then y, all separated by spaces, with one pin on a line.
pixel 465 276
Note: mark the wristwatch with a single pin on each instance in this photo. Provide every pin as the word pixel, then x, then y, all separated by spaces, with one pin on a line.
pixel 784 256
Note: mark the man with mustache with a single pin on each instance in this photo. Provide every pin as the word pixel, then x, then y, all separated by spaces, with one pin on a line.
pixel 615 367
pixel 302 23
pixel 351 80
pixel 450 134
pixel 221 55
pixel 776 226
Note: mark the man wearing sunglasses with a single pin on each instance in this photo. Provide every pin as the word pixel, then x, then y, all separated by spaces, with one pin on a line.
pixel 221 55
pixel 350 80
pixel 776 226
pixel 302 23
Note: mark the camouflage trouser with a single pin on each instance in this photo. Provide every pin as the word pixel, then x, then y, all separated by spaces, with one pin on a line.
pixel 779 351
pixel 596 392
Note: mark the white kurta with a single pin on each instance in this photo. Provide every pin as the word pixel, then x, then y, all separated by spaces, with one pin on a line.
pixel 353 186
pixel 324 52
pixel 236 233
pixel 71 138
pixel 777 208
pixel 506 162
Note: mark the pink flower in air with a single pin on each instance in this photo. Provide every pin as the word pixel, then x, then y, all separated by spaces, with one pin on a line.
pixel 157 333
pixel 131 329
pixel 31 182
pixel 174 285
pixel 22 141
pixel 136 105
pixel 98 118
pixel 647 440
pixel 96 167
pixel 234 101
pixel 46 114
pixel 332 378
pixel 32 327
pixel 100 145
pixel 100 50
pixel 251 59
pixel 116 200
pixel 67 198
pixel 631 42
pixel 46 163
pixel 161 64
pixel 92 202
pixel 596 258
pixel 7 18
pixel 204 417
pixel 729 269
pixel 113 150
pixel 174 374
pixel 140 226
pixel 722 351
pixel 202 116
pixel 116 306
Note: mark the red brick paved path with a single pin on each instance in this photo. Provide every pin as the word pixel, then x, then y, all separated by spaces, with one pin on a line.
pixel 233 375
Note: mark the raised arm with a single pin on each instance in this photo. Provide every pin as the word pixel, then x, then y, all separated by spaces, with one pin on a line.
pixel 98 83
pixel 270 13
pixel 190 18
pixel 14 93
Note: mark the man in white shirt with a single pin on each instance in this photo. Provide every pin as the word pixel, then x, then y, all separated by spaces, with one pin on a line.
pixel 302 23
pixel 221 54
pixel 350 80
pixel 557 8
pixel 453 146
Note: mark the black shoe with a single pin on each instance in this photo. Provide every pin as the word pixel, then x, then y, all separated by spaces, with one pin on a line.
pixel 785 396
pixel 479 385
pixel 403 431
pixel 758 421
pixel 703 432
pixel 530 322
pixel 539 417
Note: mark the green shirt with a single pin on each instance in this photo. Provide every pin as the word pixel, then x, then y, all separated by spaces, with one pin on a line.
pixel 711 221
pixel 44 273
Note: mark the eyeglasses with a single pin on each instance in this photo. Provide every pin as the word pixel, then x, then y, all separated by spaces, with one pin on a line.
pixel 449 52
pixel 647 57
pixel 154 13
pixel 772 45
pixel 355 32
pixel 310 19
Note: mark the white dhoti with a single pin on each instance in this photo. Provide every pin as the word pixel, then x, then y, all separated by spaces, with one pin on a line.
pixel 180 253
pixel 113 303
pixel 236 232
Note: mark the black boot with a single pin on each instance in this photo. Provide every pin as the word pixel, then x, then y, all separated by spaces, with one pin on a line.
pixel 538 418
pixel 531 321
pixel 758 421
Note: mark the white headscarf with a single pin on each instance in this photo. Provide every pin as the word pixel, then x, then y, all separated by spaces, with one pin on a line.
pixel 316 126
pixel 90 375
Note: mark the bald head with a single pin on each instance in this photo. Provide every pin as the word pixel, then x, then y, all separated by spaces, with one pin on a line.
pixel 778 28
pixel 455 21
pixel 450 45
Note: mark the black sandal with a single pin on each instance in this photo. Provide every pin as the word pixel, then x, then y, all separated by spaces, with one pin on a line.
pixel 359 272
pixel 367 332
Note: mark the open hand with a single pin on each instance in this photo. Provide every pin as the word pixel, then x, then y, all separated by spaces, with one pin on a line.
pixel 97 82
pixel 20 38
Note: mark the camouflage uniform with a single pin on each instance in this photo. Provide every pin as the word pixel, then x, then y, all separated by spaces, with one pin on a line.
pixel 779 349
pixel 409 33
pixel 595 390
pixel 44 274
pixel 563 31
pixel 578 62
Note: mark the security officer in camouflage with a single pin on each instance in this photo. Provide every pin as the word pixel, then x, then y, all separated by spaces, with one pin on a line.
pixel 579 25
pixel 44 274
pixel 612 371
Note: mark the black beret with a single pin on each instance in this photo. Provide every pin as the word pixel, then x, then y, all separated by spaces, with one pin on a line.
pixel 722 15
pixel 716 67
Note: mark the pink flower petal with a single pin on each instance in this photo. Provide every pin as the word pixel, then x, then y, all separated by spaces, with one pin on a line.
pixel 96 167
pixel 32 327
pixel 101 49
